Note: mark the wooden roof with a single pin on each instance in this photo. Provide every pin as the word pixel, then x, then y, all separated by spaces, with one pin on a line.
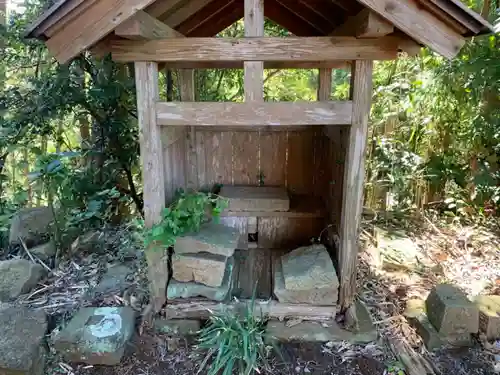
pixel 421 20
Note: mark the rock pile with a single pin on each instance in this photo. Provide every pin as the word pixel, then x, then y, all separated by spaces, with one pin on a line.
pixel 306 275
pixel 203 263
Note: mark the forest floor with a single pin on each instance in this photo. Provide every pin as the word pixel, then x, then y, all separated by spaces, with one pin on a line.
pixel 438 251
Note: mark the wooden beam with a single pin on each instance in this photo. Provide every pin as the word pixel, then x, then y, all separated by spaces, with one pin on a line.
pixel 92 25
pixel 419 24
pixel 354 174
pixel 324 84
pixel 146 78
pixel 257 49
pixel 184 12
pixel 159 8
pixel 142 26
pixel 337 64
pixel 366 24
pixel 253 114
pixel 254 70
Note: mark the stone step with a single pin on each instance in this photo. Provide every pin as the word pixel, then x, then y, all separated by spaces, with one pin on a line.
pixel 212 238
pixel 203 268
pixel 256 198
pixel 489 315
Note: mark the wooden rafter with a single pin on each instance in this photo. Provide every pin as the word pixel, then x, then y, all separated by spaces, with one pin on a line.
pixel 142 26
pixel 257 49
pixel 307 15
pixel 366 24
pixel 289 20
pixel 184 12
pixel 211 13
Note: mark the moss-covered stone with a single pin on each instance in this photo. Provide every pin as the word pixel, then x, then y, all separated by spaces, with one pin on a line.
pixel 177 327
pixel 31 224
pixel 18 276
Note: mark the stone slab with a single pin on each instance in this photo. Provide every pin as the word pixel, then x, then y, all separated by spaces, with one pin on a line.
pixel 309 267
pixel 450 311
pixel 114 281
pixel 31 224
pixel 22 332
pixel 18 276
pixel 316 296
pixel 489 315
pixel 178 289
pixel 212 238
pixel 96 335
pixel 177 327
pixel 204 268
pixel 44 251
pixel 256 198
pixel 325 331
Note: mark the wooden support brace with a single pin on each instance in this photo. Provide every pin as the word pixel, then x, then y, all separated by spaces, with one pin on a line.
pixel 366 24
pixel 142 26
pixel 354 174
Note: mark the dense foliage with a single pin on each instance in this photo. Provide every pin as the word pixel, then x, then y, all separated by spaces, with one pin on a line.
pixel 69 133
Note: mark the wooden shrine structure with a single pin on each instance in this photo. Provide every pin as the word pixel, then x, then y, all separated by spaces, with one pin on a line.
pixel 314 149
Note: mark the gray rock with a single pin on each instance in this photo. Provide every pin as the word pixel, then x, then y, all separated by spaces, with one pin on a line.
pixel 256 198
pixel 31 224
pixel 90 242
pixel 309 267
pixel 450 311
pixel 114 281
pixel 177 327
pixel 18 276
pixel 96 335
pixel 204 268
pixel 44 251
pixel 313 296
pixel 489 315
pixel 212 238
pixel 178 289
pixel 22 331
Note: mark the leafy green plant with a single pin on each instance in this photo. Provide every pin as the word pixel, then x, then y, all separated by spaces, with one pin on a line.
pixel 235 342
pixel 185 214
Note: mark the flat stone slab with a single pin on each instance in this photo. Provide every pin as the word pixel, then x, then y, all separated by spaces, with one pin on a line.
pixel 21 340
pixel 309 267
pixel 256 198
pixel 178 289
pixel 450 311
pixel 177 327
pixel 96 335
pixel 18 276
pixel 212 238
pixel 489 315
pixel 316 296
pixel 30 224
pixel 114 281
pixel 325 331
pixel 204 268
pixel 44 251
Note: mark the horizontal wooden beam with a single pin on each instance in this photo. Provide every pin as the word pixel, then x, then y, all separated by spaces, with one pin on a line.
pixel 142 26
pixel 366 24
pixel 253 113
pixel 257 49
pixel 337 64
pixel 419 24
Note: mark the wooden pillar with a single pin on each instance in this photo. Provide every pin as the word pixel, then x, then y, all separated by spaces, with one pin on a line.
pixel 354 174
pixel 146 80
pixel 187 91
pixel 254 70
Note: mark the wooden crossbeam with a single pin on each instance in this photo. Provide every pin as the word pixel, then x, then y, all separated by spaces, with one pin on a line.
pixel 143 26
pixel 254 113
pixel 336 64
pixel 366 24
pixel 419 24
pixel 257 49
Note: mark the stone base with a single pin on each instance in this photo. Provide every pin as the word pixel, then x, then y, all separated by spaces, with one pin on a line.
pixel 256 198
pixel 203 268
pixel 178 289
pixel 177 327
pixel 96 335
pixel 22 332
pixel 489 316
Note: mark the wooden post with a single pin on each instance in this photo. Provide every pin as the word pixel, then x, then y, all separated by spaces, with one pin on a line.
pixel 254 70
pixel 361 92
pixel 187 89
pixel 324 84
pixel 146 79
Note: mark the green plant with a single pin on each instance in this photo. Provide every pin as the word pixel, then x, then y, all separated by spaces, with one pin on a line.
pixel 235 342
pixel 185 214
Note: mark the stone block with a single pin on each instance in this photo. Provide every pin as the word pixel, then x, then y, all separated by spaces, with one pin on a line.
pixel 177 327
pixel 489 316
pixel 256 198
pixel 44 251
pixel 309 267
pixel 18 276
pixel 31 225
pixel 178 289
pixel 114 281
pixel 96 335
pixel 450 311
pixel 204 268
pixel 314 296
pixel 22 332
pixel 212 238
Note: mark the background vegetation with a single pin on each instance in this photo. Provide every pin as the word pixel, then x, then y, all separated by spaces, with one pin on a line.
pixel 68 133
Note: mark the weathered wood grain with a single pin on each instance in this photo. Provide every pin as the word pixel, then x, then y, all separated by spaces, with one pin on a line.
pixel 254 70
pixel 187 90
pixel 366 24
pixel 142 26
pixel 273 148
pixel 245 158
pixel 257 49
pixel 254 113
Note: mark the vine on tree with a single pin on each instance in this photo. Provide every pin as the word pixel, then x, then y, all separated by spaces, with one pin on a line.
pixel 185 214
